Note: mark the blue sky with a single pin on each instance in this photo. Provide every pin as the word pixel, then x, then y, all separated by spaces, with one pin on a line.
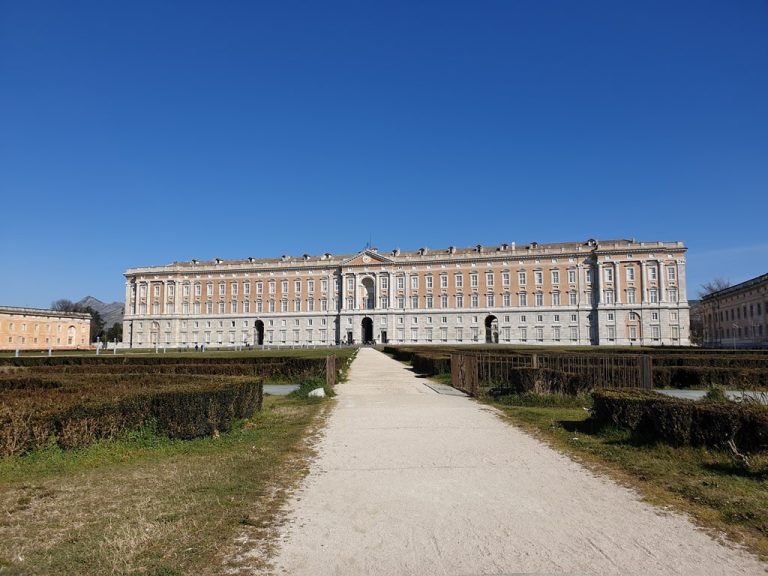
pixel 139 133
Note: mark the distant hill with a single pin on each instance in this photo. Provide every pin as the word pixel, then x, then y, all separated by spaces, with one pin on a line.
pixel 110 313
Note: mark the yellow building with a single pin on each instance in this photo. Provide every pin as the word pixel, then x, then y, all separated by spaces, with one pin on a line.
pixel 40 329
pixel 616 292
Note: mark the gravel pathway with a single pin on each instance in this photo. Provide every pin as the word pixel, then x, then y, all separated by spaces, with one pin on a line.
pixel 409 481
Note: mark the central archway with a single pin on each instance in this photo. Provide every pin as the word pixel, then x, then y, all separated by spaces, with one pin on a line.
pixel 259 332
pixel 491 330
pixel 367 326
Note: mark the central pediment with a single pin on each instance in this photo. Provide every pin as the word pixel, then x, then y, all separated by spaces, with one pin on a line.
pixel 366 258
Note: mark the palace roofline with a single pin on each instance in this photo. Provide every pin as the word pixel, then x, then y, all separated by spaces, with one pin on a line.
pixel 397 255
pixel 43 312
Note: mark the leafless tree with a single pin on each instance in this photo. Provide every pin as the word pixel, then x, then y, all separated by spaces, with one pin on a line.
pixel 714 285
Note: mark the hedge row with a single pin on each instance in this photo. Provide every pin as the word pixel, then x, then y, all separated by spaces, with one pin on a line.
pixel 706 376
pixel 75 416
pixel 276 370
pixel 540 381
pixel 652 417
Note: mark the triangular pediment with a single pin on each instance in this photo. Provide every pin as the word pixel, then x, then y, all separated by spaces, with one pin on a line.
pixel 366 258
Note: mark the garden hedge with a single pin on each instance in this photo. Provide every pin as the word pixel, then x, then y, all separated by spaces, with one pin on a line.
pixel 77 414
pixel 652 417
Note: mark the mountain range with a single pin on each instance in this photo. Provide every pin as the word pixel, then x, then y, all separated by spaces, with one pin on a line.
pixel 110 313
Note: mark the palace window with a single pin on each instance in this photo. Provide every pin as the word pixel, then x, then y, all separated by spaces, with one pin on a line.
pixel 489 279
pixel 474 301
pixel 538 277
pixel 555 277
pixel 522 299
pixel 490 300
pixel 572 276
pixel 505 278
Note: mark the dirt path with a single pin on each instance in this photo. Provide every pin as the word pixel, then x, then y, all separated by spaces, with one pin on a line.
pixel 409 481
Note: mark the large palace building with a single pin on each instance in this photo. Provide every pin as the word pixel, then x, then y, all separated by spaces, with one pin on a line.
pixel 617 292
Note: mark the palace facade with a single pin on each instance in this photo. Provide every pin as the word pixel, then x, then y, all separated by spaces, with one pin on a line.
pixel 39 329
pixel 618 292
pixel 737 316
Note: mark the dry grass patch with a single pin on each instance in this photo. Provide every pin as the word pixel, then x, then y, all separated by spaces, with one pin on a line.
pixel 148 505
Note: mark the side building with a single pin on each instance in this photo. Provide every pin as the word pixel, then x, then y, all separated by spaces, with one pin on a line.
pixel 39 329
pixel 616 292
pixel 737 316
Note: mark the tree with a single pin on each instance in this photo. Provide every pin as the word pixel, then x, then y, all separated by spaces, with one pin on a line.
pixel 712 286
pixel 115 332
pixel 64 305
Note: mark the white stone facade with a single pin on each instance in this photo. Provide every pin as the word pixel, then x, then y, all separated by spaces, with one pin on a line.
pixel 608 292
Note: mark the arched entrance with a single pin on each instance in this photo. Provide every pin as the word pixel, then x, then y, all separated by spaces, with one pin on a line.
pixel 259 333
pixel 367 326
pixel 491 330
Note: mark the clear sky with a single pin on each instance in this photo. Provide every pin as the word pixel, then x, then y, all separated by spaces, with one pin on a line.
pixel 138 133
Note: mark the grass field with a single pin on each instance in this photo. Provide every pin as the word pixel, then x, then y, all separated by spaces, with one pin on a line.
pixel 148 505
pixel 710 485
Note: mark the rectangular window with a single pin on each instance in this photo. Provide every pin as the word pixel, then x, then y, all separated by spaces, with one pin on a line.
pixel 459 301
pixel 384 282
pixel 609 296
pixel 429 282
pixel 671 273
pixel 506 301
pixel 633 332
pixel 222 289
pixel 653 295
pixel 235 288
pixel 572 276
pixel 608 274
pixel 297 286
pixel 538 277
pixel 489 279
pixel 429 301
pixel 574 333
pixel 652 272
pixel 611 333
pixel 555 277
pixel 221 307
pixel 474 301
pixel 473 280
pixel 673 295
pixel 631 298
pixel 588 275
pixel 490 300
pixel 555 298
pixel 414 282
pixel 401 282
pixel 233 307
pixel 272 285
pixel 523 334
pixel 540 334
pixel 443 281
pixel 444 301
pixel 539 299
pixel 572 298
pixel 630 274
pixel 414 301
pixel 522 299
pixel 259 287
pixel 247 288
pixel 521 278
pixel 505 278
pixel 556 333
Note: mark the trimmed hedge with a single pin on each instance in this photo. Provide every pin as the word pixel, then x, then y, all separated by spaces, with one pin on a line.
pixel 540 381
pixel 706 376
pixel 74 416
pixel 652 417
